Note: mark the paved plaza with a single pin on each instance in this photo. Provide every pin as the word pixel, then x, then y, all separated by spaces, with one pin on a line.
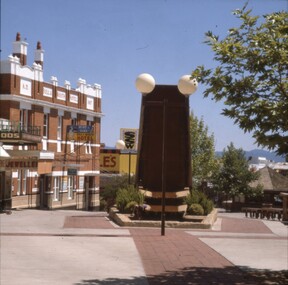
pixel 85 248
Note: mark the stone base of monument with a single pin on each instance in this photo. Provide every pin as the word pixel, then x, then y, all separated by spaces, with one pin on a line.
pixel 189 221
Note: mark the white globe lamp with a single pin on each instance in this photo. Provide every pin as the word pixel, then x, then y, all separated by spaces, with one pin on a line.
pixel 120 144
pixel 145 83
pixel 186 85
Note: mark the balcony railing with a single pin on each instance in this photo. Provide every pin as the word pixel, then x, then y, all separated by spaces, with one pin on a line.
pixel 16 130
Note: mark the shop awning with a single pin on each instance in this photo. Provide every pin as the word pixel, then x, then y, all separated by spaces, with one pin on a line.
pixel 3 153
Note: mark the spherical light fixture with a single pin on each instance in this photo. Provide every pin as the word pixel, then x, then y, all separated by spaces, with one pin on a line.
pixel 145 83
pixel 186 85
pixel 120 144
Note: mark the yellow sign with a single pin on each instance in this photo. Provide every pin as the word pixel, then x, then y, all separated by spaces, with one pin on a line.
pixel 109 162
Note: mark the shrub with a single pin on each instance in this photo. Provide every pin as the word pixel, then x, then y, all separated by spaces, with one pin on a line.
pixel 109 193
pixel 197 197
pixel 196 209
pixel 127 198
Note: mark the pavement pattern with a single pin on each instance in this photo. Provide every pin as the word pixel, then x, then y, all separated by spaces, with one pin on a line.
pixel 85 248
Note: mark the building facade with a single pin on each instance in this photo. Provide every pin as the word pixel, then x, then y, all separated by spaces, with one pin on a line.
pixel 49 137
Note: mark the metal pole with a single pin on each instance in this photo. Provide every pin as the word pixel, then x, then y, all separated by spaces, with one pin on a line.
pixel 163 171
pixel 129 180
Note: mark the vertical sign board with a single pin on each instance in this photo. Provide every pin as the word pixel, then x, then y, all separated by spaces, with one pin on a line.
pixel 130 138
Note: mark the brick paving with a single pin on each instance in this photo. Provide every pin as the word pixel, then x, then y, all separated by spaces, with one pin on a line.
pixel 232 225
pixel 88 222
pixel 180 258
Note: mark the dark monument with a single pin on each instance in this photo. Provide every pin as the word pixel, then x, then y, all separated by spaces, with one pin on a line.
pixel 164 156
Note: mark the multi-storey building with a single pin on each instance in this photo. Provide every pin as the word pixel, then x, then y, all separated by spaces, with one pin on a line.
pixel 49 137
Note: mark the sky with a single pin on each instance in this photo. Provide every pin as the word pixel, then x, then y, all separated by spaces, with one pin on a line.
pixel 111 42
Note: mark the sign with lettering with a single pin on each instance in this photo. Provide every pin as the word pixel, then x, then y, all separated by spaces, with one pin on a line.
pixel 5 135
pixel 80 133
pixel 90 103
pixel 25 87
pixel 13 164
pixel 130 138
pixel 47 92
pixel 61 95
pixel 72 171
pixel 109 162
pixel 74 98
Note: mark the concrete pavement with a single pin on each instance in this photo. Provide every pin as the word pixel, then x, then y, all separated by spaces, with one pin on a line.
pixel 73 247
pixel 37 248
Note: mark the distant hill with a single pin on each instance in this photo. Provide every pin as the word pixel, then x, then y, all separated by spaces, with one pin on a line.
pixel 259 153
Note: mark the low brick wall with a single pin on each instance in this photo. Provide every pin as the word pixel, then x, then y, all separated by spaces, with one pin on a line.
pixel 123 220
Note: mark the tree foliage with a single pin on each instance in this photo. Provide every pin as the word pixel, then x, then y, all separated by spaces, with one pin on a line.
pixel 234 177
pixel 204 162
pixel 251 76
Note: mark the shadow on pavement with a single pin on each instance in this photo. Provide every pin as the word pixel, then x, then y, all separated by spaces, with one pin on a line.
pixel 202 276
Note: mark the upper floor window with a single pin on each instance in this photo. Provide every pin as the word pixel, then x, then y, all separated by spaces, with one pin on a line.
pixel 45 125
pixel 74 122
pixel 59 128
pixel 88 144
pixel 24 119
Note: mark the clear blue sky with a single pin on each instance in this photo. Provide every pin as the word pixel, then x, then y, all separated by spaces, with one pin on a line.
pixel 110 42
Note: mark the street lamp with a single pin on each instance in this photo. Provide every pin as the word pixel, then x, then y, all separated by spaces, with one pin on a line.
pixel 145 83
pixel 187 85
pixel 120 144
pixel 166 98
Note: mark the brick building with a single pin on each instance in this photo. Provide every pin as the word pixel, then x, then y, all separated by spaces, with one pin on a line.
pixel 41 164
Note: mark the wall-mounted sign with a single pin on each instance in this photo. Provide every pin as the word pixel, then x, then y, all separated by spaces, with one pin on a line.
pixel 5 135
pixel 90 103
pixel 72 172
pixel 80 133
pixel 73 98
pixel 61 95
pixel 25 87
pixel 47 92
pixel 16 164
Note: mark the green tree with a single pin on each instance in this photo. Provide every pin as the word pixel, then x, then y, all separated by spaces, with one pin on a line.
pixel 234 177
pixel 252 76
pixel 204 163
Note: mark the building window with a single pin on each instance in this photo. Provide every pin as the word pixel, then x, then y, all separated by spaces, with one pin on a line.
pixel 74 122
pixel 23 120
pixel 22 185
pixel 72 142
pixel 88 148
pixel 59 133
pixel 56 188
pixel 70 186
pixel 45 126
pixel 59 128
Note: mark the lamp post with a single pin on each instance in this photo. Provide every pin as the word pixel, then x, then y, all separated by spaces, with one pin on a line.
pixel 145 84
pixel 120 144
